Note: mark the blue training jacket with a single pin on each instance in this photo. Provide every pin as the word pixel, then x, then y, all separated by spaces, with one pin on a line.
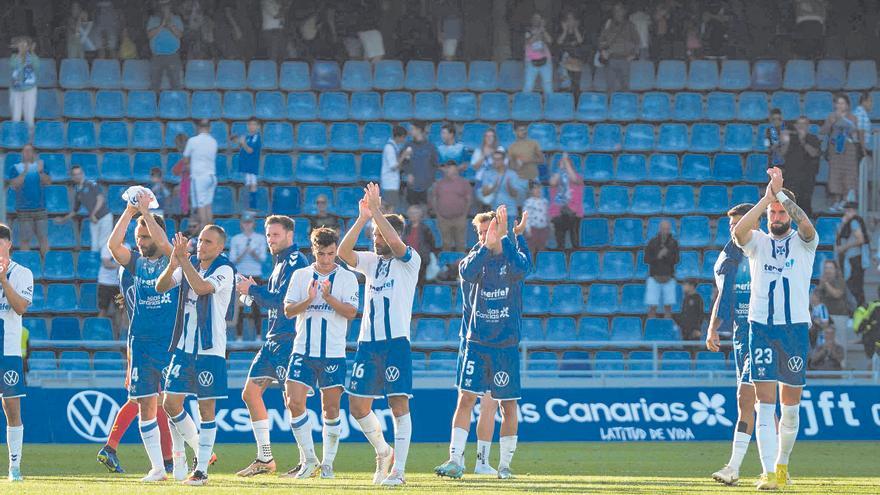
pixel 271 296
pixel 733 276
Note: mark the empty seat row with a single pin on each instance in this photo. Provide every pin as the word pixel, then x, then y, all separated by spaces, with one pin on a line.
pixel 68 328
pixel 76 361
pixel 62 298
pixel 587 266
pixel 60 265
pixel 645 361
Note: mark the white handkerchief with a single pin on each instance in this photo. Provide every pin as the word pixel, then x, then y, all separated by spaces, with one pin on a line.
pixel 132 192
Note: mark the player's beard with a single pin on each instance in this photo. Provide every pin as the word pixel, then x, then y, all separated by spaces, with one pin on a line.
pixel 383 250
pixel 780 228
pixel 149 251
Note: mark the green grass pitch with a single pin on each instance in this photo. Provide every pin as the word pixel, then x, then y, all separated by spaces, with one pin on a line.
pixel 633 468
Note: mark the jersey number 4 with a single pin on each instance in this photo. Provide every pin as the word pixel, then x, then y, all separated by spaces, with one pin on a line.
pixel 763 356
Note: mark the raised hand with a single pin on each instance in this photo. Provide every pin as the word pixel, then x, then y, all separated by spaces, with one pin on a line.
pixel 325 288
pixel 4 266
pixel 244 285
pixel 501 216
pixel 519 228
pixel 775 179
pixel 313 289
pixel 493 240
pixel 180 246
pixel 143 202
pixel 364 209
pixel 374 199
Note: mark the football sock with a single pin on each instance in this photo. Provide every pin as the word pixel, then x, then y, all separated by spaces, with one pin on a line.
pixel 152 443
pixel 402 437
pixel 788 430
pixel 483 449
pixel 373 431
pixel 740 447
pixel 330 438
pixel 302 431
pixel 14 437
pixel 123 420
pixel 508 447
pixel 207 435
pixel 457 445
pixel 261 434
pixel 185 425
pixel 765 434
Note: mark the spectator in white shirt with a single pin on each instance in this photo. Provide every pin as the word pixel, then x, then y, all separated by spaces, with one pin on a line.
pixel 393 154
pixel 201 155
pixel 248 250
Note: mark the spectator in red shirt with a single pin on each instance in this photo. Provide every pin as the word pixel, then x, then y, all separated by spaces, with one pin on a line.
pixel 451 199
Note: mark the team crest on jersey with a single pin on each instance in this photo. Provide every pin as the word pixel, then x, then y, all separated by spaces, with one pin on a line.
pixel 796 363
pixel 762 372
pixel 503 271
pixel 467 382
pixel 780 249
pixel 331 368
pixel 206 378
pixel 280 372
pixel 501 379
pixel 392 373
pixel 10 378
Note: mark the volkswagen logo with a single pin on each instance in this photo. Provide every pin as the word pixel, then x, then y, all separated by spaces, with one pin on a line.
pixel 206 378
pixel 392 373
pixel 10 378
pixel 333 367
pixel 280 372
pixel 91 414
pixel 795 363
pixel 501 379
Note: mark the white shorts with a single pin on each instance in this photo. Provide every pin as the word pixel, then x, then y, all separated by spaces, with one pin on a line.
pixel 250 179
pixel 449 48
pixel 655 292
pixel 201 190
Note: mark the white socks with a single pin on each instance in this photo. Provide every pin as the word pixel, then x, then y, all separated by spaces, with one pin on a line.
pixel 483 449
pixel 302 431
pixel 740 447
pixel 458 444
pixel 508 447
pixel 261 434
pixel 402 436
pixel 206 444
pixel 186 427
pixel 373 431
pixel 330 438
pixel 788 430
pixel 14 438
pixel 765 434
pixel 152 443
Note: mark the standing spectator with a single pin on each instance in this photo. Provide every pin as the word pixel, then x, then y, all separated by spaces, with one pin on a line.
pixel 418 236
pixel 247 250
pixel 323 217
pixel 160 191
pixel 84 29
pixel 863 121
pixel 88 194
pixel 420 166
pixel 72 30
pixel 450 28
pixel 618 44
pixel 27 178
pixel 566 202
pixel 249 159
pixel 809 28
pixel 828 355
pixel 664 32
pixel 642 21
pixel 773 137
pixel 393 155
pixel 481 159
pixel 573 53
pixel 853 250
pixel 832 293
pixel 525 154
pixel 661 256
pixel 536 208
pixel 108 289
pixel 450 148
pixel 842 130
pixel 105 33
pixel 201 156
pixel 801 157
pixel 714 28
pixel 127 49
pixel 181 169
pixel 369 34
pixel 272 37
pixel 23 87
pixel 501 186
pixel 234 20
pixel 538 60
pixel 451 199
pixel 690 318
pixel 165 31
pixel 199 38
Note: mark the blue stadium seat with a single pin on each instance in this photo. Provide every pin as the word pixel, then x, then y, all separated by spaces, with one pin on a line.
pixel 672 137
pixel 141 105
pixel 766 74
pixel 617 265
pixel 136 74
pixel 472 134
pixel 397 105
pixel 56 198
pixel 561 329
pixel 710 361
pixel 78 105
pixel 224 201
pixel 61 298
pixel 54 164
pixel 341 168
pixel 703 75
pixel 431 330
pixel 388 75
pixel 278 136
pixel 627 232
pixel 451 76
pixel 532 330
pixel 333 106
pixel 347 200
pixel 862 75
pixel 592 328
pixel 510 76
pixel 231 74
pixel 50 135
pixel 675 361
pixel 325 75
pixel 74 73
pixel 376 134
pixel 116 167
pixel 262 75
pixel 545 134
pixel 737 138
pixel 302 106
pixel 574 137
pixel 538 297
pixel 818 104
pixel 609 361
pixel 199 74
pixel 710 257
pixel 705 137
pixel 113 134
pixel 543 361
pixel 311 194
pixel 821 258
pixel 679 199
pixel 592 107
pixel 240 105
pixel 437 300
pixel 713 199
pixel 656 107
pixel 640 361
pixel 42 361
pixel 788 102
pixel 39 301
pixel 14 134
pixel 753 106
pixel 631 167
pixel 744 194
pixel 624 106
pixel 584 266
pixel 639 137
pixel 36 327
pixel 205 105
pixel 695 232
pixel 88 162
pixel 429 106
pixel 799 75
pixel 173 128
pixel 419 75
pixel 74 361
pixel 47 105
pixel 357 75
pixel 174 105
pixel 550 266
pixel 108 361
pixel 109 105
pixel 146 135
pixel 663 167
pixel 688 107
pixel 97 329
pixel 633 295
pixel 671 75
pixel 483 76
pixel 826 227
pixel 285 200
pixel 461 106
pixel 721 106
pixel 527 106
pixel 30 260
pixel 567 300
pixel 294 76
pixel 559 107
pixel 613 200
pixel 87 265
pixel 830 74
pixel 366 106
pixel 647 200
pixel 371 166
pixel 727 168
pixel 626 329
pixel 47 75
pixel 641 75
pixel 105 74
pixel 594 232
pixel 607 137
pixel 735 75
pixel 279 168
pixel 695 168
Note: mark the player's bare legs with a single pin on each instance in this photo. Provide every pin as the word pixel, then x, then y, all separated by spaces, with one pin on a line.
pixel 508 436
pixel 14 435
pixel 485 432
pixel 362 411
pixel 252 395
pixel 330 398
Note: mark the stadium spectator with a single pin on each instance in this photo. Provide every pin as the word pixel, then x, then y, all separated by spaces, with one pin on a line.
pixel 450 148
pixel 525 155
pixel 108 289
pixel 74 31
pixel 165 31
pixel 105 32
pixel 450 27
pixel 642 21
pixel 828 355
pixel 538 61
pixel 369 31
pixel 249 159
pixel 89 195
pixel 199 36
pixel 853 250
pixel 322 217
pixel 842 130
pixel 572 53
pixel 693 41
pixel 665 29
pixel 393 156
pixel 801 151
pixel 618 45
pixel 866 322
pixel 774 136
pixel 160 191
pixel 809 34
pixel 25 65
pixel 272 36
pixel 28 179
pixel 248 251
pixel 201 155
pixel 233 22
pixel 863 121
pixel 127 47
pixel 421 165
pixel 832 293
pixel 192 233
pixel 451 199
pixel 690 318
pixel 418 236
pixel 181 169
pixel 84 28
pixel 716 22
pixel 566 202
pixel 501 186
pixel 538 220
pixel 316 36
pixel 819 318
pixel 481 159
pixel 661 256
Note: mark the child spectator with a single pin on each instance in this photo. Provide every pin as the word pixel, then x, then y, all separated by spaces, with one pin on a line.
pixel 690 319
pixel 160 191
pixel 538 221
pixel 249 159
